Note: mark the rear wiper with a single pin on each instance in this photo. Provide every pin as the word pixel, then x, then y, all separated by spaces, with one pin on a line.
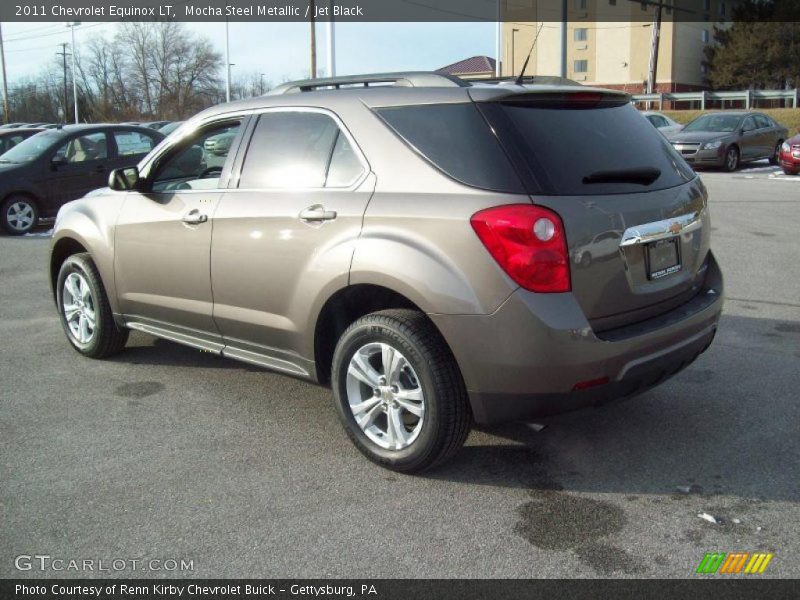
pixel 640 175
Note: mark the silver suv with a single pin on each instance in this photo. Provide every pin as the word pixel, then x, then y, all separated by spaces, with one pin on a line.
pixel 438 252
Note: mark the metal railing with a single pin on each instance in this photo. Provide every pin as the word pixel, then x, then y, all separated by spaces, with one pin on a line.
pixel 748 97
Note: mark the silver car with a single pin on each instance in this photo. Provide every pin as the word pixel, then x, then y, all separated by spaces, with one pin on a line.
pixel 418 247
pixel 728 139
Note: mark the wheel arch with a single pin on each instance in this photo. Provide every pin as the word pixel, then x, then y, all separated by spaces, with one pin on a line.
pixel 344 307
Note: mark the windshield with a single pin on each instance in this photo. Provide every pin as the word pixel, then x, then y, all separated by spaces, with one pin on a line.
pixel 717 123
pixel 30 149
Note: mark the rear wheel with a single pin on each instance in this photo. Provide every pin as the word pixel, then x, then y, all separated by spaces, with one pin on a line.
pixel 399 393
pixel 19 215
pixel 731 159
pixel 790 171
pixel 776 154
pixel 84 309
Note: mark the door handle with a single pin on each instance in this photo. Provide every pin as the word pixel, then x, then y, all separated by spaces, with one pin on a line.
pixel 194 217
pixel 317 213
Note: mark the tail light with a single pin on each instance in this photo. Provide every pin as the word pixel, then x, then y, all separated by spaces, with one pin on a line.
pixel 529 243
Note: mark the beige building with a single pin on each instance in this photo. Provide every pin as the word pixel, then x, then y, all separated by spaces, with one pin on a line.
pixel 615 52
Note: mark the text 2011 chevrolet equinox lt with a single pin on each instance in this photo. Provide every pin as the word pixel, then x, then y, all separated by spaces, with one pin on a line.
pixel 437 252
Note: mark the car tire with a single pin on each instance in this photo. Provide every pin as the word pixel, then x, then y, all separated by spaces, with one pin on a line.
pixel 414 413
pixel 84 310
pixel 732 156
pixel 20 214
pixel 790 171
pixel 775 159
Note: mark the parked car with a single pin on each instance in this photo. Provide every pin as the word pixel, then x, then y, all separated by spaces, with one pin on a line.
pixel 170 127
pixel 11 137
pixel 13 125
pixel 790 155
pixel 157 125
pixel 728 139
pixel 47 170
pixel 663 123
pixel 219 145
pixel 411 246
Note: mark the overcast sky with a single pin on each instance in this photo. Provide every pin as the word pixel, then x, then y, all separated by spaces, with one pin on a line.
pixel 280 50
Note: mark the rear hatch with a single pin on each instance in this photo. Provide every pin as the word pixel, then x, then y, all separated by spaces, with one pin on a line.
pixel 634 212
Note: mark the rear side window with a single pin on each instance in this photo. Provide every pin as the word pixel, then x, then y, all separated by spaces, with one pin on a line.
pixel 456 139
pixel 298 150
pixel 133 142
pixel 586 147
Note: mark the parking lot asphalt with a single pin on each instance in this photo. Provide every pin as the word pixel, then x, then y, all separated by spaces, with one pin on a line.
pixel 166 452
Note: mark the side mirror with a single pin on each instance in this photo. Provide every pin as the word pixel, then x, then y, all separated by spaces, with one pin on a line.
pixel 122 180
pixel 57 161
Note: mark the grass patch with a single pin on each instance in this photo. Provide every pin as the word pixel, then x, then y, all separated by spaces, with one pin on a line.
pixel 788 117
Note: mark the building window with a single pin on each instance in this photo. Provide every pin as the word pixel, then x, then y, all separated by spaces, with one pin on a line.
pixel 580 34
pixel 722 9
pixel 706 5
pixel 581 66
pixel 704 36
pixel 580 4
pixel 644 5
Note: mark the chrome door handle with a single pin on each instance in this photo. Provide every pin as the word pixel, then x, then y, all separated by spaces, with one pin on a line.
pixel 194 217
pixel 317 213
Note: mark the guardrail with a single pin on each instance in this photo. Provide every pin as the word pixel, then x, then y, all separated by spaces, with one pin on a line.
pixel 746 96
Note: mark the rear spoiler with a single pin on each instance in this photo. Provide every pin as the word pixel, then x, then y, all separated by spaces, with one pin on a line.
pixel 550 95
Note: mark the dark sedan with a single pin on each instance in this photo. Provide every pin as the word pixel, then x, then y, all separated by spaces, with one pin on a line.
pixel 728 139
pixel 53 167
pixel 11 137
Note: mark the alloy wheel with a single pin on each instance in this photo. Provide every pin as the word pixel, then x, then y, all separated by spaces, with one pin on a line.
pixel 79 308
pixel 732 159
pixel 20 215
pixel 385 396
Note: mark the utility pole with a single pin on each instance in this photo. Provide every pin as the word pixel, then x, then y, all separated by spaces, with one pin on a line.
pixel 63 54
pixel 563 32
pixel 261 86
pixel 72 26
pixel 331 42
pixel 227 61
pixel 498 41
pixel 312 10
pixel 654 42
pixel 6 111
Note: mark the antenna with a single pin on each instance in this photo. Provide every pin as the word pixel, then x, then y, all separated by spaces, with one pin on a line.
pixel 525 64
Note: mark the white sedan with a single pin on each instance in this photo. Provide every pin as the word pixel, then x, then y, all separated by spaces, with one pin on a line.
pixel 662 122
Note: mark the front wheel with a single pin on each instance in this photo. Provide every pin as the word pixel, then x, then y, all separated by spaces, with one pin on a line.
pixel 84 309
pixel 731 159
pixel 399 393
pixel 776 154
pixel 19 215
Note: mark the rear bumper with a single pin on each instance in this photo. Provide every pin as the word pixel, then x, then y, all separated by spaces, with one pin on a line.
pixel 524 360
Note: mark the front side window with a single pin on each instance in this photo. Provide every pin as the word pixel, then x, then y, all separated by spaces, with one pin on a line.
pixel 296 150
pixel 197 163
pixel 133 142
pixel 763 122
pixel 749 124
pixel 93 146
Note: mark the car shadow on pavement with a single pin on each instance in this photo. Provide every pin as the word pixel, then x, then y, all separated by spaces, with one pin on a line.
pixel 725 425
pixel 145 350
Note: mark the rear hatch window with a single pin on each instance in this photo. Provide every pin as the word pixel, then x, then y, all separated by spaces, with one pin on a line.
pixel 585 143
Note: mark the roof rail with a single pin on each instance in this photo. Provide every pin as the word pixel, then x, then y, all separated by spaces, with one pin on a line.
pixel 409 79
pixel 531 79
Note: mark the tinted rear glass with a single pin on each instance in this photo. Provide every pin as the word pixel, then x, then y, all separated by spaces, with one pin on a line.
pixel 561 143
pixel 456 139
